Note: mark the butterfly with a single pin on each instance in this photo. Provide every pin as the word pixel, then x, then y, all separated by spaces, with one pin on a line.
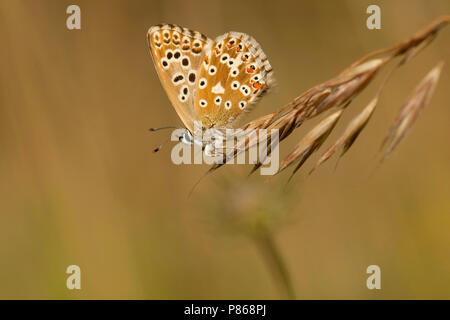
pixel 211 82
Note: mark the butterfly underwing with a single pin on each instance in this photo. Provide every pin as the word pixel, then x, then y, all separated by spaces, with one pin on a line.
pixel 211 81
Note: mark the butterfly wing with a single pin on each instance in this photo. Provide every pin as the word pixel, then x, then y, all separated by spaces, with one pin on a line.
pixel 177 54
pixel 234 73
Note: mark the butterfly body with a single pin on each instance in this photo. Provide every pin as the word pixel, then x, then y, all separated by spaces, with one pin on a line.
pixel 212 82
pixel 208 143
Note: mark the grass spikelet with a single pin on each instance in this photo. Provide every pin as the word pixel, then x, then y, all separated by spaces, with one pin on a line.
pixel 311 141
pixel 339 92
pixel 411 109
pixel 350 134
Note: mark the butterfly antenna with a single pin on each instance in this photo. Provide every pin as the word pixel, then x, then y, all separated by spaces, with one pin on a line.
pixel 167 140
pixel 163 128
pixel 161 145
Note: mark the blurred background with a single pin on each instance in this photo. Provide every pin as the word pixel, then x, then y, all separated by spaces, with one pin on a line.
pixel 79 183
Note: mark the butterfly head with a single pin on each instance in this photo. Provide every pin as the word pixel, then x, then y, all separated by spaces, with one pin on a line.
pixel 210 140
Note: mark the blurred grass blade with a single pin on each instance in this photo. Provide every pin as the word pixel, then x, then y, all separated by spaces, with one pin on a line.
pixel 410 111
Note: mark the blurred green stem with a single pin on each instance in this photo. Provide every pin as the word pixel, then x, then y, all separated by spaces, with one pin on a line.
pixel 275 261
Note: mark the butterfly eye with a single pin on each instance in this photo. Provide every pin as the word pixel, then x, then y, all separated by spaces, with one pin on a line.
pixel 242 104
pixel 228 104
pixel 218 100
pixel 169 54
pixel 245 90
pixel 212 70
pixel 203 103
pixel 182 97
pixel 235 85
pixel 230 62
pixel 202 83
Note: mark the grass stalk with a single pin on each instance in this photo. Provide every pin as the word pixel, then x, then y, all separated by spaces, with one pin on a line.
pixel 274 259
